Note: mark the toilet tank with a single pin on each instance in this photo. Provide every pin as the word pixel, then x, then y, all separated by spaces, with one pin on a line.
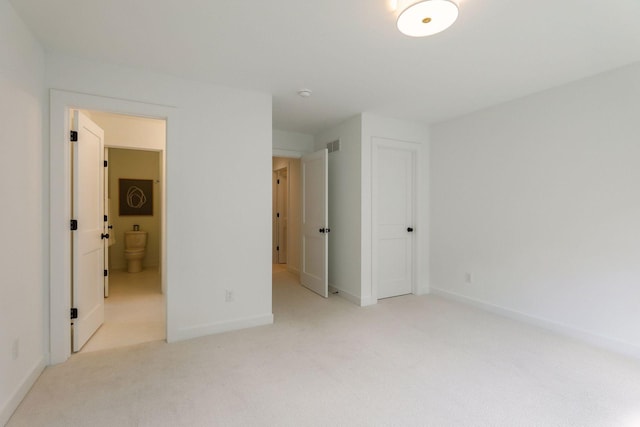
pixel 135 239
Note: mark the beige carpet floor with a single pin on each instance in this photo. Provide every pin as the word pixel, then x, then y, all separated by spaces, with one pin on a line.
pixel 408 361
pixel 134 312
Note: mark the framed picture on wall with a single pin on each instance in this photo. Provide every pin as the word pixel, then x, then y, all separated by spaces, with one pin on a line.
pixel 136 196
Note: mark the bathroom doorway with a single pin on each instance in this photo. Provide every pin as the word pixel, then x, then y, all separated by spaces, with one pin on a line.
pixel 134 301
pixel 62 103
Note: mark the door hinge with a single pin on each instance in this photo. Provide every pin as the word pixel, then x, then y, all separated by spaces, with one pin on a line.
pixel 278 181
pixel 277 248
pixel 106 218
pixel 73 136
pixel 106 163
pixel 74 224
pixel 278 215
pixel 106 273
pixel 74 313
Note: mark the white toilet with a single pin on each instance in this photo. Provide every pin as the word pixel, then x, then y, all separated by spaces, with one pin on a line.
pixel 135 243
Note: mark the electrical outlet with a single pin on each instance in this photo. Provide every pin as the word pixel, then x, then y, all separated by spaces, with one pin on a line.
pixel 15 350
pixel 228 295
pixel 468 278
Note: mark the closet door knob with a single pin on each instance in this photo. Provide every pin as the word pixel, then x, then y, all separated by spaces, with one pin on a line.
pixel 410 230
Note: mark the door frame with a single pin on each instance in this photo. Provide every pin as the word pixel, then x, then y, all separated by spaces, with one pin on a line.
pixel 293 268
pixel 415 150
pixel 275 223
pixel 58 298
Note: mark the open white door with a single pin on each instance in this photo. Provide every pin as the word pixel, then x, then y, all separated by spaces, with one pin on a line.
pixel 88 244
pixel 107 221
pixel 315 219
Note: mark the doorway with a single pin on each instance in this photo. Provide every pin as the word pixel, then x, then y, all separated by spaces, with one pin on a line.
pixel 306 226
pixel 134 310
pixel 286 211
pixel 61 104
pixel 280 215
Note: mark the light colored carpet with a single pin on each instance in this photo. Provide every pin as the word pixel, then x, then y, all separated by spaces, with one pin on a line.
pixel 134 313
pixel 408 361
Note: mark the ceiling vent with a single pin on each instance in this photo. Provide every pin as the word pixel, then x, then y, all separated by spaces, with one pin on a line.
pixel 333 146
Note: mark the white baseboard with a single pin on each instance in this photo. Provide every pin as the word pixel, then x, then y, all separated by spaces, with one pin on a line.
pixel 216 328
pixel 611 344
pixel 293 270
pixel 362 302
pixel 344 294
pixel 366 301
pixel 422 290
pixel 21 391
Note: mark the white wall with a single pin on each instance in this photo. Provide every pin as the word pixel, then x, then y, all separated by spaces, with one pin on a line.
pixel 291 144
pixel 138 133
pixel 538 199
pixel 344 206
pixel 22 250
pixel 218 193
pixel 374 126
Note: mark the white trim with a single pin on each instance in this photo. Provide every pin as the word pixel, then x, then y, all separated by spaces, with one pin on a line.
pixel 292 154
pixel 218 327
pixel 344 294
pixel 611 344
pixel 21 391
pixel 366 301
pixel 362 302
pixel 60 202
pixel 415 150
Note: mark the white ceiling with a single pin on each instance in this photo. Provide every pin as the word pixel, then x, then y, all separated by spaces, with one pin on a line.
pixel 349 51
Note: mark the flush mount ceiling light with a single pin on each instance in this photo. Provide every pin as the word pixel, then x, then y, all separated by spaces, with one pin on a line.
pixel 428 17
pixel 305 93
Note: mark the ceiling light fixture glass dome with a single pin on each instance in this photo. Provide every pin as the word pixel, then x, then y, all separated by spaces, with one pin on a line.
pixel 428 17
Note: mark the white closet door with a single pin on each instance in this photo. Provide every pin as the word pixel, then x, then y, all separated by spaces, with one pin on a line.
pixel 393 217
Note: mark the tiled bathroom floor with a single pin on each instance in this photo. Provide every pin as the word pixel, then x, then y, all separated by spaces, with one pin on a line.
pixel 134 311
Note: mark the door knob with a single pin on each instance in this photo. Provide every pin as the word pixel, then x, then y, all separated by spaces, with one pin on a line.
pixel 104 236
pixel 322 230
pixel 410 230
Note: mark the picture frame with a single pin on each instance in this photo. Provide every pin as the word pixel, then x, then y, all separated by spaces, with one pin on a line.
pixel 135 197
